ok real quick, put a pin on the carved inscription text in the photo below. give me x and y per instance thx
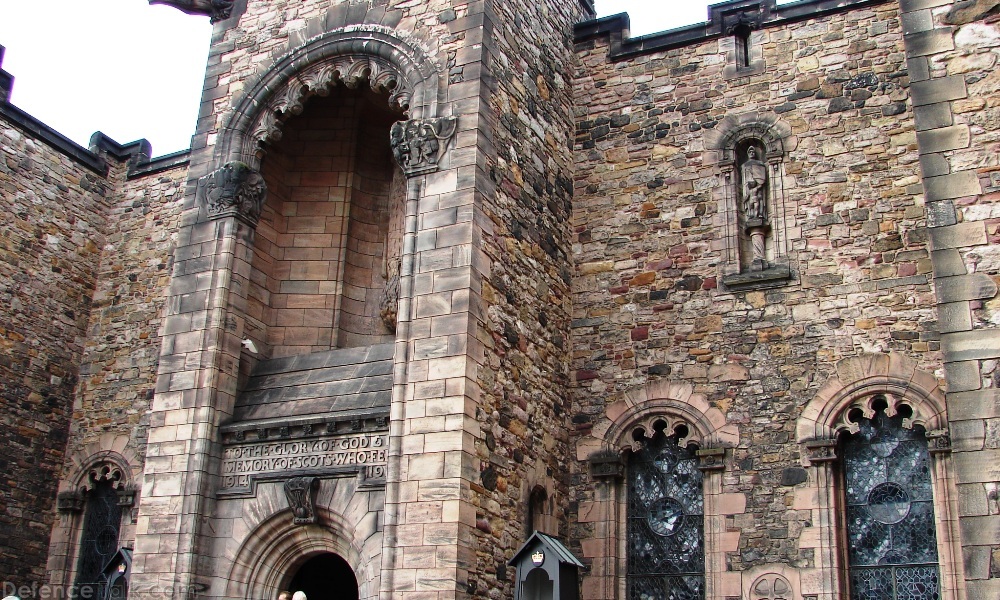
(241, 462)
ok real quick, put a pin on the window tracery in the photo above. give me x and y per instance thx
(665, 527)
(889, 510)
(105, 498)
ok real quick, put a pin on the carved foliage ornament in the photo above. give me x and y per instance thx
(217, 10)
(389, 300)
(301, 494)
(418, 144)
(235, 190)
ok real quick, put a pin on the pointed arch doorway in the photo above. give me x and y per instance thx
(325, 576)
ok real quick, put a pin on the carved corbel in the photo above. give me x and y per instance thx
(235, 190)
(418, 144)
(301, 494)
(938, 441)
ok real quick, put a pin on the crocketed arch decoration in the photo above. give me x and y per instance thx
(277, 547)
(348, 55)
(863, 380)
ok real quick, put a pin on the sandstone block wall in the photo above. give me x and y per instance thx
(121, 348)
(526, 193)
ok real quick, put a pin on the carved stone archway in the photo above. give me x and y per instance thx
(362, 53)
(277, 547)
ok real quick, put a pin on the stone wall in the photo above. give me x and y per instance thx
(53, 234)
(526, 203)
(122, 345)
(652, 252)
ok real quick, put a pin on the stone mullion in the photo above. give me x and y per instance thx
(930, 43)
(184, 415)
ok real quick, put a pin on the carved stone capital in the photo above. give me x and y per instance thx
(938, 441)
(235, 190)
(711, 459)
(606, 465)
(69, 502)
(301, 494)
(821, 451)
(418, 144)
(217, 10)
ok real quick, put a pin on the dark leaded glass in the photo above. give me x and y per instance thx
(99, 541)
(665, 530)
(892, 546)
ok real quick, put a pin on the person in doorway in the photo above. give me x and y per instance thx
(284, 595)
(299, 596)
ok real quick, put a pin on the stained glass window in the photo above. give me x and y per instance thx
(99, 542)
(892, 546)
(666, 524)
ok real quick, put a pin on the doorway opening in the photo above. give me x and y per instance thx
(325, 577)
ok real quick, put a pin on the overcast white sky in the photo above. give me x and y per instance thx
(135, 71)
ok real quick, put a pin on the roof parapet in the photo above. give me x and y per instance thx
(723, 19)
(137, 154)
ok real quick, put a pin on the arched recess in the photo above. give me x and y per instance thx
(627, 425)
(371, 53)
(277, 547)
(109, 459)
(860, 385)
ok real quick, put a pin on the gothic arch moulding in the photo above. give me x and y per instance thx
(352, 55)
(732, 130)
(858, 382)
(277, 547)
(660, 404)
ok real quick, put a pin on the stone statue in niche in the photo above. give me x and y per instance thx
(754, 187)
(754, 175)
(234, 190)
(417, 144)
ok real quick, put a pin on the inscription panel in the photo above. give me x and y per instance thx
(242, 463)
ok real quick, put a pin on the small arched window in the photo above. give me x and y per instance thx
(889, 505)
(665, 530)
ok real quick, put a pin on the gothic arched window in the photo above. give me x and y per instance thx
(891, 541)
(665, 530)
(99, 540)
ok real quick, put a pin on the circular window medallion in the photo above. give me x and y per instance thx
(888, 503)
(666, 517)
